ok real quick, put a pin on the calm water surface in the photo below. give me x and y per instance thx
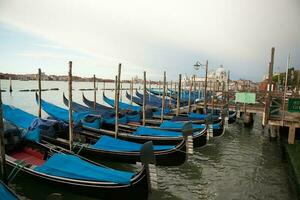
(242, 164)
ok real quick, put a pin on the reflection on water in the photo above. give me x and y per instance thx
(242, 164)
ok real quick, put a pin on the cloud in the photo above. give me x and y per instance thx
(165, 35)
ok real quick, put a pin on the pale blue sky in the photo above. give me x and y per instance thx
(152, 35)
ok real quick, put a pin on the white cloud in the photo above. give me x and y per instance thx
(165, 35)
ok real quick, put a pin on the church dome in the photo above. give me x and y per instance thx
(220, 71)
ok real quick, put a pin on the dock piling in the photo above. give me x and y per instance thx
(10, 85)
(40, 93)
(70, 107)
(178, 96)
(144, 100)
(163, 98)
(94, 79)
(117, 100)
(2, 145)
(205, 88)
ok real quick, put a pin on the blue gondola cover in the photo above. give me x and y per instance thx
(5, 194)
(112, 144)
(143, 130)
(70, 166)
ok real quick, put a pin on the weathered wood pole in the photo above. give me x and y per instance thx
(292, 131)
(268, 99)
(199, 90)
(149, 96)
(10, 85)
(190, 93)
(94, 91)
(163, 98)
(159, 88)
(116, 86)
(2, 145)
(178, 96)
(170, 92)
(104, 86)
(121, 91)
(285, 89)
(205, 88)
(40, 93)
(70, 107)
(144, 100)
(131, 90)
(117, 100)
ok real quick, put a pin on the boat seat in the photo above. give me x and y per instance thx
(30, 156)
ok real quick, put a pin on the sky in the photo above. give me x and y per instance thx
(151, 36)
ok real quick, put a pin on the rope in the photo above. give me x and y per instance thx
(14, 173)
(79, 145)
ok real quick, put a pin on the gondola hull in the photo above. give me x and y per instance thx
(172, 157)
(136, 190)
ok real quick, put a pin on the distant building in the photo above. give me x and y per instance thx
(219, 76)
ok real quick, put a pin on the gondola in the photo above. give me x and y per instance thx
(140, 134)
(139, 101)
(199, 119)
(6, 193)
(192, 117)
(131, 112)
(110, 148)
(54, 166)
(122, 105)
(151, 97)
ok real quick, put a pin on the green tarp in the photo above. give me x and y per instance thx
(245, 97)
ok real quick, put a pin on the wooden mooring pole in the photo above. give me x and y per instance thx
(94, 78)
(178, 96)
(144, 100)
(40, 93)
(10, 85)
(266, 114)
(131, 91)
(205, 88)
(190, 93)
(117, 101)
(70, 107)
(2, 145)
(163, 98)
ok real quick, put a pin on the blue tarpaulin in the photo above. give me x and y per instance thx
(178, 125)
(122, 105)
(70, 166)
(5, 194)
(197, 116)
(142, 130)
(63, 115)
(22, 120)
(18, 117)
(112, 144)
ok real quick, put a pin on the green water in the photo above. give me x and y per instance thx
(242, 164)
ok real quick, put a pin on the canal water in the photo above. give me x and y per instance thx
(241, 164)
